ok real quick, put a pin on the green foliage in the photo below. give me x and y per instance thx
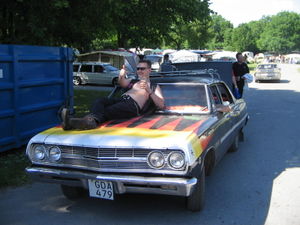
(220, 30)
(91, 24)
(242, 39)
(110, 24)
(13, 164)
(281, 33)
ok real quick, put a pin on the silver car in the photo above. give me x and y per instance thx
(95, 73)
(267, 71)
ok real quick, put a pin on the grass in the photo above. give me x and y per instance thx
(83, 100)
(14, 161)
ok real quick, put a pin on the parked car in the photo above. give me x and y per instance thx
(95, 73)
(156, 60)
(167, 152)
(267, 71)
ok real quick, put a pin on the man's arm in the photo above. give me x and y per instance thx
(157, 97)
(247, 68)
(123, 82)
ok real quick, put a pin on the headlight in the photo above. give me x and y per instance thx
(54, 153)
(156, 159)
(176, 160)
(39, 152)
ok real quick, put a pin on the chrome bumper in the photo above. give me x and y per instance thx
(122, 183)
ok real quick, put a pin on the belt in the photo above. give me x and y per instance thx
(128, 97)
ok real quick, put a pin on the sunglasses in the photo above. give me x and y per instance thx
(141, 68)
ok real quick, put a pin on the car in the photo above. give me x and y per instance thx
(95, 73)
(267, 71)
(167, 152)
(155, 60)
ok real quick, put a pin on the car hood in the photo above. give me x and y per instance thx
(152, 132)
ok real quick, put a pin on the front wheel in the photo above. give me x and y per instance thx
(235, 145)
(76, 81)
(196, 201)
(115, 82)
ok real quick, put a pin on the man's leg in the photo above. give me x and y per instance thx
(99, 107)
(90, 121)
(126, 108)
(240, 85)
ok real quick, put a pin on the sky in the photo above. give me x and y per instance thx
(244, 11)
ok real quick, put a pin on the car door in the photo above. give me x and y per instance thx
(224, 125)
(86, 71)
(235, 114)
(101, 75)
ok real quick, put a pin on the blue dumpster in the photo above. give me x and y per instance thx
(35, 81)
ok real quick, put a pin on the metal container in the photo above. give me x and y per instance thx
(35, 82)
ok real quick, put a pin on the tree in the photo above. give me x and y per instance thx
(219, 29)
(281, 34)
(148, 22)
(56, 22)
(242, 39)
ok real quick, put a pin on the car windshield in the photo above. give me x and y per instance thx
(110, 68)
(184, 98)
(267, 66)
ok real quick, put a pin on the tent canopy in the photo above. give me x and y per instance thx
(184, 56)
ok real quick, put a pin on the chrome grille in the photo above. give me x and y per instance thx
(102, 159)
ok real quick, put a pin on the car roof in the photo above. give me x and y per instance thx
(92, 63)
(185, 77)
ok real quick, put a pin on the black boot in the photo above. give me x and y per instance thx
(86, 123)
(68, 123)
(65, 117)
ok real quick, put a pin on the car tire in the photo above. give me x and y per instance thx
(196, 201)
(235, 145)
(77, 81)
(115, 81)
(72, 193)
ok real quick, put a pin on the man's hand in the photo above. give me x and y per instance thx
(123, 71)
(145, 85)
(123, 82)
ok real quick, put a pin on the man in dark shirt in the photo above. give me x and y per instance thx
(239, 69)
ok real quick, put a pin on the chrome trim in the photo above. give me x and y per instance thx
(110, 160)
(233, 128)
(122, 183)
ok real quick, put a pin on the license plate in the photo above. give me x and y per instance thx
(101, 189)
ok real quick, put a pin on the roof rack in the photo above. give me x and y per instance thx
(213, 73)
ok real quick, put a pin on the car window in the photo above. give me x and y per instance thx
(98, 69)
(75, 68)
(153, 59)
(86, 68)
(225, 94)
(110, 68)
(184, 98)
(215, 95)
(267, 66)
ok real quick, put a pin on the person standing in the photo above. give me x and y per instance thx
(239, 69)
